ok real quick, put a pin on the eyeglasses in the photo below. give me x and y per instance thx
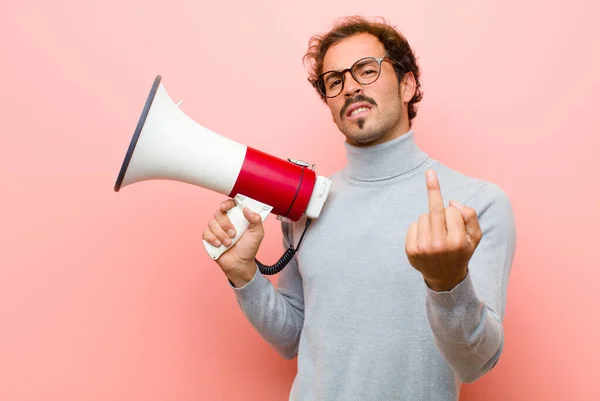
(364, 71)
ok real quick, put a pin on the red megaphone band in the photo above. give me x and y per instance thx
(284, 185)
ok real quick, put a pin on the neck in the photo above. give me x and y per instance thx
(384, 160)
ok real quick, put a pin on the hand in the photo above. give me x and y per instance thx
(441, 244)
(238, 262)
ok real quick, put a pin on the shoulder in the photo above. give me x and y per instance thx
(491, 202)
(292, 230)
(469, 188)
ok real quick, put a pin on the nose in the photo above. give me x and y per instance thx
(351, 87)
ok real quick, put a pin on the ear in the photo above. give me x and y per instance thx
(408, 87)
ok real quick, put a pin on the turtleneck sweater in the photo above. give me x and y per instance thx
(360, 319)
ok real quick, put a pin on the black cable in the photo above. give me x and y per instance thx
(285, 259)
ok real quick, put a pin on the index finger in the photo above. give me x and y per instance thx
(222, 218)
(226, 205)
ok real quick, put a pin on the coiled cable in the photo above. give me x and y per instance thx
(285, 259)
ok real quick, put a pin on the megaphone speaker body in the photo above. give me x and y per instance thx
(167, 144)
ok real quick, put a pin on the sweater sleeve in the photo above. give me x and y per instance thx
(276, 313)
(466, 322)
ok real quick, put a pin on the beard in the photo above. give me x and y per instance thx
(380, 125)
(377, 129)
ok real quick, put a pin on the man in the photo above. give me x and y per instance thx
(393, 295)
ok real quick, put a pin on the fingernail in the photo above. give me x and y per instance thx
(430, 174)
(217, 243)
(227, 241)
(231, 233)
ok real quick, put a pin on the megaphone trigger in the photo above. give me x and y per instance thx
(239, 221)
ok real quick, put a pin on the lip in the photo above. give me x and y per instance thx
(357, 106)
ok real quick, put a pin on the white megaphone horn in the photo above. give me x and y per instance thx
(167, 144)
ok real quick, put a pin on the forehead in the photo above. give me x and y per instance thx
(345, 52)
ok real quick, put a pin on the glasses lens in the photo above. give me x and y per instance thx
(331, 84)
(366, 71)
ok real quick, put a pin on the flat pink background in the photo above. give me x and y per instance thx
(107, 296)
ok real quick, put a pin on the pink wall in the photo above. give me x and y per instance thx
(108, 296)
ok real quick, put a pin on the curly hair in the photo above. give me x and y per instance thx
(395, 44)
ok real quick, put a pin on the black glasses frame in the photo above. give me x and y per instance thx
(319, 84)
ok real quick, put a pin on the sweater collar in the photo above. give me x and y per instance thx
(384, 161)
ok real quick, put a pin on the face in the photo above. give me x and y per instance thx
(368, 114)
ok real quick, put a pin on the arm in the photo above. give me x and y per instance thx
(276, 313)
(466, 321)
(465, 255)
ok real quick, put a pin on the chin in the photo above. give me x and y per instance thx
(363, 135)
(363, 140)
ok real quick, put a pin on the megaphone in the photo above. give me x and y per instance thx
(168, 145)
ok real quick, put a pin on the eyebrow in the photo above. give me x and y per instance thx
(340, 70)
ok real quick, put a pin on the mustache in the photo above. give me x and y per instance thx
(358, 98)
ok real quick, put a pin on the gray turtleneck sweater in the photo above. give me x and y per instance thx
(360, 319)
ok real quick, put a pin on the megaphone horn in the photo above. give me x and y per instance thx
(167, 144)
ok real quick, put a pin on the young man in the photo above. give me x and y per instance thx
(393, 295)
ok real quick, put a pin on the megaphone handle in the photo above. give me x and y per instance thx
(236, 216)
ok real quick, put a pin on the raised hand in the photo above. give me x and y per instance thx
(441, 243)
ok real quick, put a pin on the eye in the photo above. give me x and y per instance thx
(334, 83)
(369, 72)
(366, 69)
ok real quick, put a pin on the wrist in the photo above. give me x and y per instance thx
(447, 285)
(440, 287)
(242, 276)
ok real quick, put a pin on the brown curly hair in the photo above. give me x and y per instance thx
(395, 44)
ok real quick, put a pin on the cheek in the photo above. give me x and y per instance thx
(335, 108)
(390, 91)
(392, 100)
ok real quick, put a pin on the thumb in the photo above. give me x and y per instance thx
(254, 220)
